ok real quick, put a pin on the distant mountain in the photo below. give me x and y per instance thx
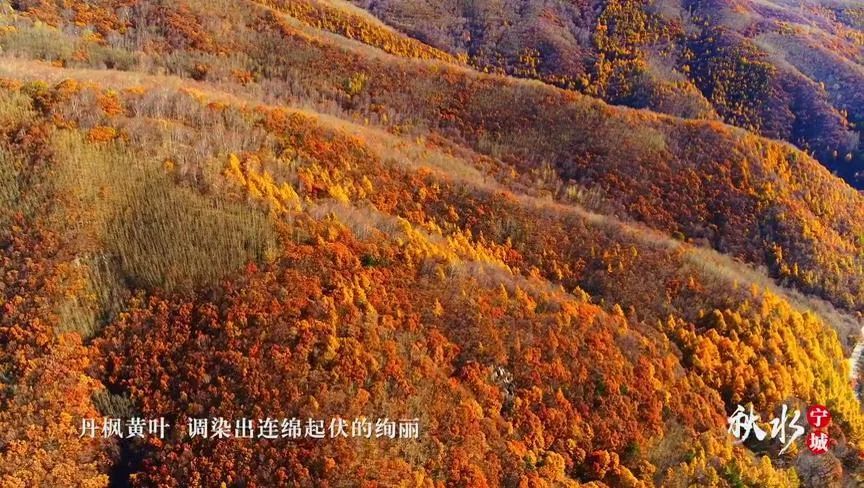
(788, 70)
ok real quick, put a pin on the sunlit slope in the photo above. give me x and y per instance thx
(260, 227)
(743, 195)
(421, 277)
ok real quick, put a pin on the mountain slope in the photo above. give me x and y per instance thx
(789, 215)
(295, 223)
(787, 70)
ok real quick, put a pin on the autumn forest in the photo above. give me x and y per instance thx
(565, 240)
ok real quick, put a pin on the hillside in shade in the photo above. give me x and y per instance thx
(292, 209)
(786, 70)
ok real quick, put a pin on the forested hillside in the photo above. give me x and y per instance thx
(252, 209)
(786, 70)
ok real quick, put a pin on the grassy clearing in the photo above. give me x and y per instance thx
(14, 110)
(172, 238)
(156, 232)
(10, 191)
(99, 299)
